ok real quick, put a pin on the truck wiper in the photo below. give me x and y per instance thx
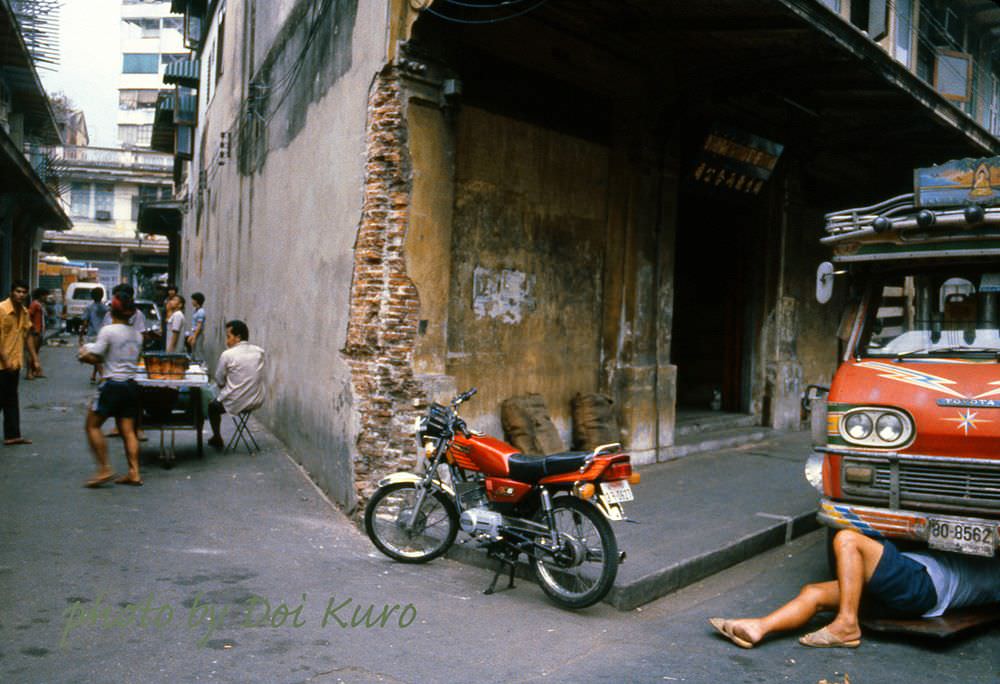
(956, 348)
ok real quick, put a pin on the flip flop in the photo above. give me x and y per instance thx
(823, 638)
(721, 626)
(16, 441)
(99, 480)
(128, 481)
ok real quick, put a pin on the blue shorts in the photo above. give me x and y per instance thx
(900, 586)
(117, 398)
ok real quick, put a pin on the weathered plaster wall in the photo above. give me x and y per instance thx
(274, 245)
(528, 244)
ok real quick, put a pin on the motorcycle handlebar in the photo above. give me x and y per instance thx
(464, 396)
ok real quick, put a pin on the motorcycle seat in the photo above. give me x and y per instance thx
(534, 468)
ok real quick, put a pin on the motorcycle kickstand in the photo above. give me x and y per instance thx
(499, 571)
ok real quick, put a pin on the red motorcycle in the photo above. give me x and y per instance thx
(554, 509)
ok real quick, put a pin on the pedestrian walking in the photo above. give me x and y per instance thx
(117, 349)
(913, 584)
(14, 326)
(36, 312)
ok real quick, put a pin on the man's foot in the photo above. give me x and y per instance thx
(99, 479)
(744, 633)
(15, 441)
(216, 442)
(824, 638)
(126, 480)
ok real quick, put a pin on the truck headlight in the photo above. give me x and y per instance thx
(858, 425)
(878, 427)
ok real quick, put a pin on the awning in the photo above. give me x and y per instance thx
(161, 217)
(184, 72)
(19, 72)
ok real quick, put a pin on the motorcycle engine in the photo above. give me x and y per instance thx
(480, 521)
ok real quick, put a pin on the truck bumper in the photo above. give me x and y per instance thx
(891, 524)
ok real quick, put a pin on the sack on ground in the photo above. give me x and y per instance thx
(594, 421)
(528, 427)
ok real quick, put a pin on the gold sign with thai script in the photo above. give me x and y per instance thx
(736, 160)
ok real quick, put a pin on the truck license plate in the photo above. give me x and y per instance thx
(616, 492)
(954, 535)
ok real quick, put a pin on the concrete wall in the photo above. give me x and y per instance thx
(528, 245)
(273, 245)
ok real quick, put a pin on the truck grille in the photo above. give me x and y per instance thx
(931, 483)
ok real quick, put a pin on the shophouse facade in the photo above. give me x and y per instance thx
(29, 201)
(407, 198)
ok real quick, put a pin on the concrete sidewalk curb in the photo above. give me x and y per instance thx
(690, 570)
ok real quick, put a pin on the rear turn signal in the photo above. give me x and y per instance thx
(584, 491)
(634, 478)
(617, 471)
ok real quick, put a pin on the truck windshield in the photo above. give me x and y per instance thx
(944, 312)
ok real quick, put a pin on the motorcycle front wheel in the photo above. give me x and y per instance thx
(433, 531)
(580, 573)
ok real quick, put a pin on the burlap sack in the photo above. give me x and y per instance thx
(594, 421)
(528, 427)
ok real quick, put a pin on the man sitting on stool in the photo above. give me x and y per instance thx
(240, 377)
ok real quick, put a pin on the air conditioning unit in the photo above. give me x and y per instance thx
(103, 215)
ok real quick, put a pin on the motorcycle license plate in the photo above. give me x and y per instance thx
(965, 537)
(616, 492)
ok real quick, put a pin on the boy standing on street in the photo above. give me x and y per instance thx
(14, 326)
(197, 331)
(175, 324)
(36, 312)
(117, 349)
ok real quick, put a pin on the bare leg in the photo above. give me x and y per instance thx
(126, 426)
(857, 556)
(99, 447)
(812, 599)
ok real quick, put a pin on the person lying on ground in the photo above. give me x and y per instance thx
(889, 583)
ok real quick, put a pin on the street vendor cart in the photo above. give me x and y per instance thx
(173, 391)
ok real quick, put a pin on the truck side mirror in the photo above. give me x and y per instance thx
(824, 282)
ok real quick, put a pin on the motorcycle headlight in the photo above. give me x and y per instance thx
(877, 427)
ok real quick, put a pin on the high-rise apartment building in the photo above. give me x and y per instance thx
(151, 39)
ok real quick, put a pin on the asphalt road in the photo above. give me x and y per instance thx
(116, 585)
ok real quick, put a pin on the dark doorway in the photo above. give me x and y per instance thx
(713, 281)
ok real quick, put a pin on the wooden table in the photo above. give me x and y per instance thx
(195, 380)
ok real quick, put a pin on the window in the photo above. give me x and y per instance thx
(79, 194)
(220, 41)
(953, 74)
(192, 31)
(902, 44)
(104, 201)
(140, 63)
(137, 99)
(173, 24)
(141, 28)
(133, 135)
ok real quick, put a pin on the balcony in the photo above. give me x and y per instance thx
(114, 158)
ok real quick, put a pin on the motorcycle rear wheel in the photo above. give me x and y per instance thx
(434, 529)
(589, 562)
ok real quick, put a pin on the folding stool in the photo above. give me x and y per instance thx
(243, 433)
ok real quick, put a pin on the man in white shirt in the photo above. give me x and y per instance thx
(240, 377)
(175, 324)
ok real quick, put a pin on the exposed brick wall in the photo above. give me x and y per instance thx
(385, 304)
